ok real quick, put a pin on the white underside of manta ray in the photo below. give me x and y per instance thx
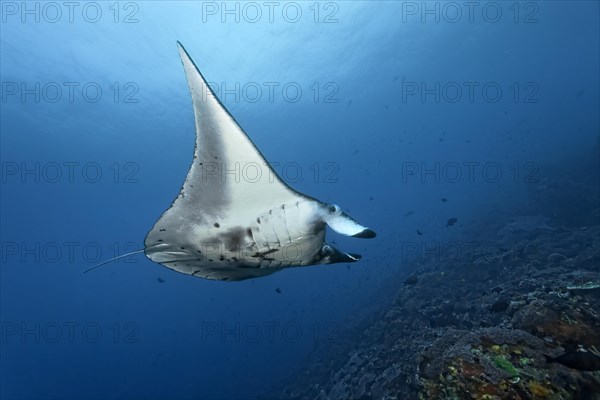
(225, 227)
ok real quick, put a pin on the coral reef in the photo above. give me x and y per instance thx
(482, 327)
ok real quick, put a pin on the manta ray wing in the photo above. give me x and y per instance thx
(234, 218)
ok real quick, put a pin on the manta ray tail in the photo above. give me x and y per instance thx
(113, 259)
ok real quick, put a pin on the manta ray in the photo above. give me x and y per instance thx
(228, 226)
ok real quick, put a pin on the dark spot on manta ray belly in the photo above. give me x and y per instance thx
(217, 225)
(233, 238)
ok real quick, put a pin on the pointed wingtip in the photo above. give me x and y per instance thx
(191, 69)
(182, 51)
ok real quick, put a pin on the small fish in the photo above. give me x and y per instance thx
(278, 290)
(444, 199)
(451, 222)
(419, 232)
(160, 280)
(408, 213)
(581, 360)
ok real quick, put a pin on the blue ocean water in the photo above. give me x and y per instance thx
(383, 108)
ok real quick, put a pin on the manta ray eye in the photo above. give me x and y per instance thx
(334, 209)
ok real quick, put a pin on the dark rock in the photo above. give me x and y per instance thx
(412, 280)
(499, 306)
(479, 328)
